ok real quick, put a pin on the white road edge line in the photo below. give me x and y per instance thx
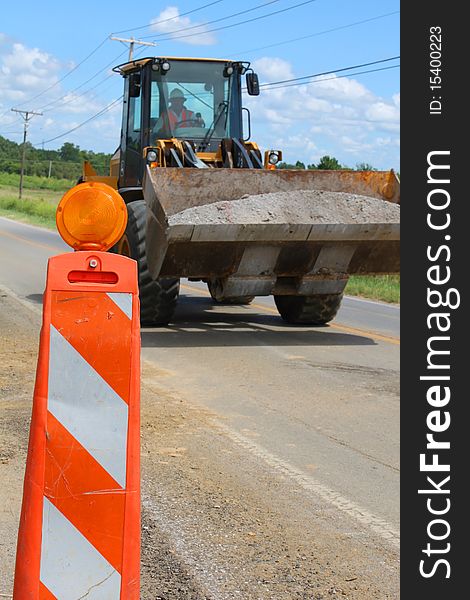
(56, 235)
(307, 482)
(42, 229)
(208, 574)
(26, 303)
(376, 302)
(378, 525)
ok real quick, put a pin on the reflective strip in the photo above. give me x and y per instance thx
(86, 494)
(100, 331)
(44, 593)
(87, 407)
(71, 568)
(124, 301)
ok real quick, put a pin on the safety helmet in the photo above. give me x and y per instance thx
(176, 93)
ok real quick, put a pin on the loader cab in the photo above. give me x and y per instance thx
(192, 100)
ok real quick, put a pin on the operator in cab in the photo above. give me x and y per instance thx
(177, 115)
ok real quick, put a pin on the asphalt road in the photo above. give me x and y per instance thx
(18, 242)
(317, 406)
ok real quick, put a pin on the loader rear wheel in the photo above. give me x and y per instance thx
(308, 310)
(158, 297)
(215, 290)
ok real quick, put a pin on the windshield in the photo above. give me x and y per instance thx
(190, 101)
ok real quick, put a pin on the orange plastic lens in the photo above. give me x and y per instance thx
(91, 216)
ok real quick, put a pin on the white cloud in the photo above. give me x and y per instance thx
(341, 117)
(354, 146)
(337, 88)
(382, 111)
(169, 20)
(25, 71)
(273, 69)
(77, 103)
(335, 116)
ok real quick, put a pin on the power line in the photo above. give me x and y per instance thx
(237, 14)
(325, 31)
(66, 74)
(277, 12)
(98, 114)
(74, 98)
(132, 41)
(333, 78)
(368, 64)
(10, 123)
(89, 90)
(111, 63)
(189, 12)
(278, 84)
(7, 112)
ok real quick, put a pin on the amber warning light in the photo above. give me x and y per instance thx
(91, 216)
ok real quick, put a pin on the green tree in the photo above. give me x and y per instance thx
(66, 162)
(329, 163)
(364, 166)
(70, 153)
(298, 165)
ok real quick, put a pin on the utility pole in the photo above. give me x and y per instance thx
(27, 116)
(131, 43)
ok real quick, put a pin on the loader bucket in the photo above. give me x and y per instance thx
(266, 258)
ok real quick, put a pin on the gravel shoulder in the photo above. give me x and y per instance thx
(216, 522)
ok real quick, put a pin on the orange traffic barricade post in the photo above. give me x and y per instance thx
(79, 533)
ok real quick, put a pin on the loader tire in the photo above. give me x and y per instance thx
(308, 310)
(214, 286)
(158, 297)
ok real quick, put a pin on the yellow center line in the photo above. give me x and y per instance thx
(352, 330)
(27, 241)
(346, 329)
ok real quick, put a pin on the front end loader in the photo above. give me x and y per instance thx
(182, 147)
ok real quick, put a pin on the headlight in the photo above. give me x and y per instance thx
(228, 71)
(151, 156)
(165, 66)
(273, 158)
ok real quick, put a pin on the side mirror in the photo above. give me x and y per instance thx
(134, 85)
(252, 84)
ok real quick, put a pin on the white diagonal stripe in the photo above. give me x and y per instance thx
(124, 301)
(71, 568)
(87, 407)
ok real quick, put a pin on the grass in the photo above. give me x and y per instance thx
(38, 206)
(380, 287)
(38, 212)
(33, 182)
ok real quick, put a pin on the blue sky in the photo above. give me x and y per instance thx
(355, 118)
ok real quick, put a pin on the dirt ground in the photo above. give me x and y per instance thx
(216, 523)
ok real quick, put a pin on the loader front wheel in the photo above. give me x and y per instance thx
(215, 290)
(158, 297)
(308, 310)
